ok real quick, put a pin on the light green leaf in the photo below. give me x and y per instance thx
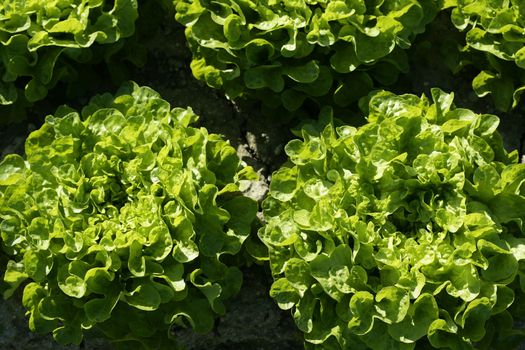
(284, 293)
(421, 314)
(392, 304)
(307, 73)
(144, 297)
(12, 170)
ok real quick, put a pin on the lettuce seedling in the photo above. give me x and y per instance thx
(36, 36)
(121, 219)
(284, 52)
(405, 233)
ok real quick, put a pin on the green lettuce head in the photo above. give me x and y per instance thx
(36, 36)
(125, 220)
(284, 52)
(497, 28)
(407, 233)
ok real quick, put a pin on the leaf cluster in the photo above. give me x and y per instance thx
(495, 28)
(40, 39)
(124, 219)
(405, 233)
(286, 52)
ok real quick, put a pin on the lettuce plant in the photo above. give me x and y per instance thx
(125, 220)
(497, 29)
(36, 36)
(284, 52)
(406, 233)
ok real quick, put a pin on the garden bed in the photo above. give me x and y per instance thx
(253, 321)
